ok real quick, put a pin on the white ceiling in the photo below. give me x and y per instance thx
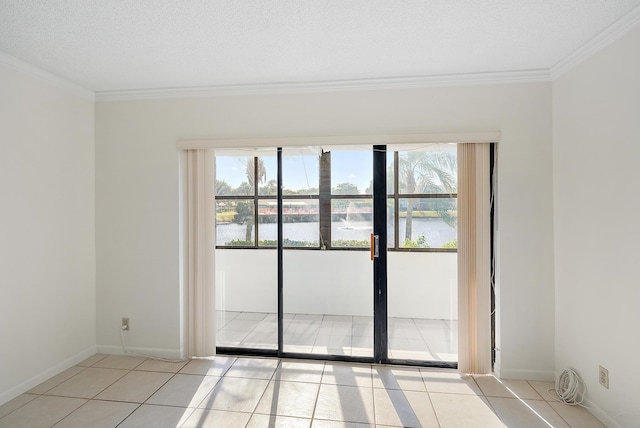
(117, 45)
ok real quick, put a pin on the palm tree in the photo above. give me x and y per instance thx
(222, 188)
(250, 170)
(426, 172)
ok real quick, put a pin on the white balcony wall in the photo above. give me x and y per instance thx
(421, 285)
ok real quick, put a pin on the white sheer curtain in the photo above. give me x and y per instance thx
(198, 248)
(474, 259)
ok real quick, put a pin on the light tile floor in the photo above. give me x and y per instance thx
(122, 391)
(409, 338)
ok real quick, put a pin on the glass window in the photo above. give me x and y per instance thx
(428, 222)
(234, 175)
(421, 215)
(428, 171)
(300, 223)
(351, 222)
(351, 173)
(267, 223)
(300, 174)
(235, 223)
(391, 220)
(268, 184)
(391, 179)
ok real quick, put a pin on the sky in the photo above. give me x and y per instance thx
(302, 171)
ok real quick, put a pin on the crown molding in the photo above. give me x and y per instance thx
(43, 75)
(599, 42)
(603, 39)
(520, 76)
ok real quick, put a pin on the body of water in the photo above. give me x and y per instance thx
(435, 230)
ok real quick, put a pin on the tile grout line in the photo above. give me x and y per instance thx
(253, 412)
(220, 378)
(426, 387)
(552, 408)
(373, 397)
(477, 391)
(420, 337)
(138, 405)
(315, 403)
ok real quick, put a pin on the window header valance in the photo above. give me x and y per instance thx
(333, 140)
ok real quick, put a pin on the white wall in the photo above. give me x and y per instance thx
(47, 244)
(596, 132)
(137, 194)
(421, 285)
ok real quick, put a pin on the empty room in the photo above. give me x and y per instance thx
(319, 213)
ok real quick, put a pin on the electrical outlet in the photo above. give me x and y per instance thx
(125, 323)
(603, 376)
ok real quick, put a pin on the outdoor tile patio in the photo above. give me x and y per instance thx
(409, 338)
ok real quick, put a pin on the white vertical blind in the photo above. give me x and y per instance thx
(198, 252)
(474, 259)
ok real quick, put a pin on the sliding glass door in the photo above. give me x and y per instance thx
(341, 252)
(246, 251)
(422, 263)
(327, 275)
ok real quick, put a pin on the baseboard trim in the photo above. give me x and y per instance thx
(546, 375)
(46, 374)
(600, 414)
(150, 352)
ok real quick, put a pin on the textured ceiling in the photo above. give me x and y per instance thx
(113, 45)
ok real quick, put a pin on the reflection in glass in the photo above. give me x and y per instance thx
(428, 222)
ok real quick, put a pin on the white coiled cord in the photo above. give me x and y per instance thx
(570, 388)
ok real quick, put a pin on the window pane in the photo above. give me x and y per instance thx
(300, 223)
(351, 222)
(428, 223)
(267, 223)
(234, 222)
(351, 172)
(268, 185)
(300, 174)
(428, 171)
(390, 174)
(234, 175)
(391, 236)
